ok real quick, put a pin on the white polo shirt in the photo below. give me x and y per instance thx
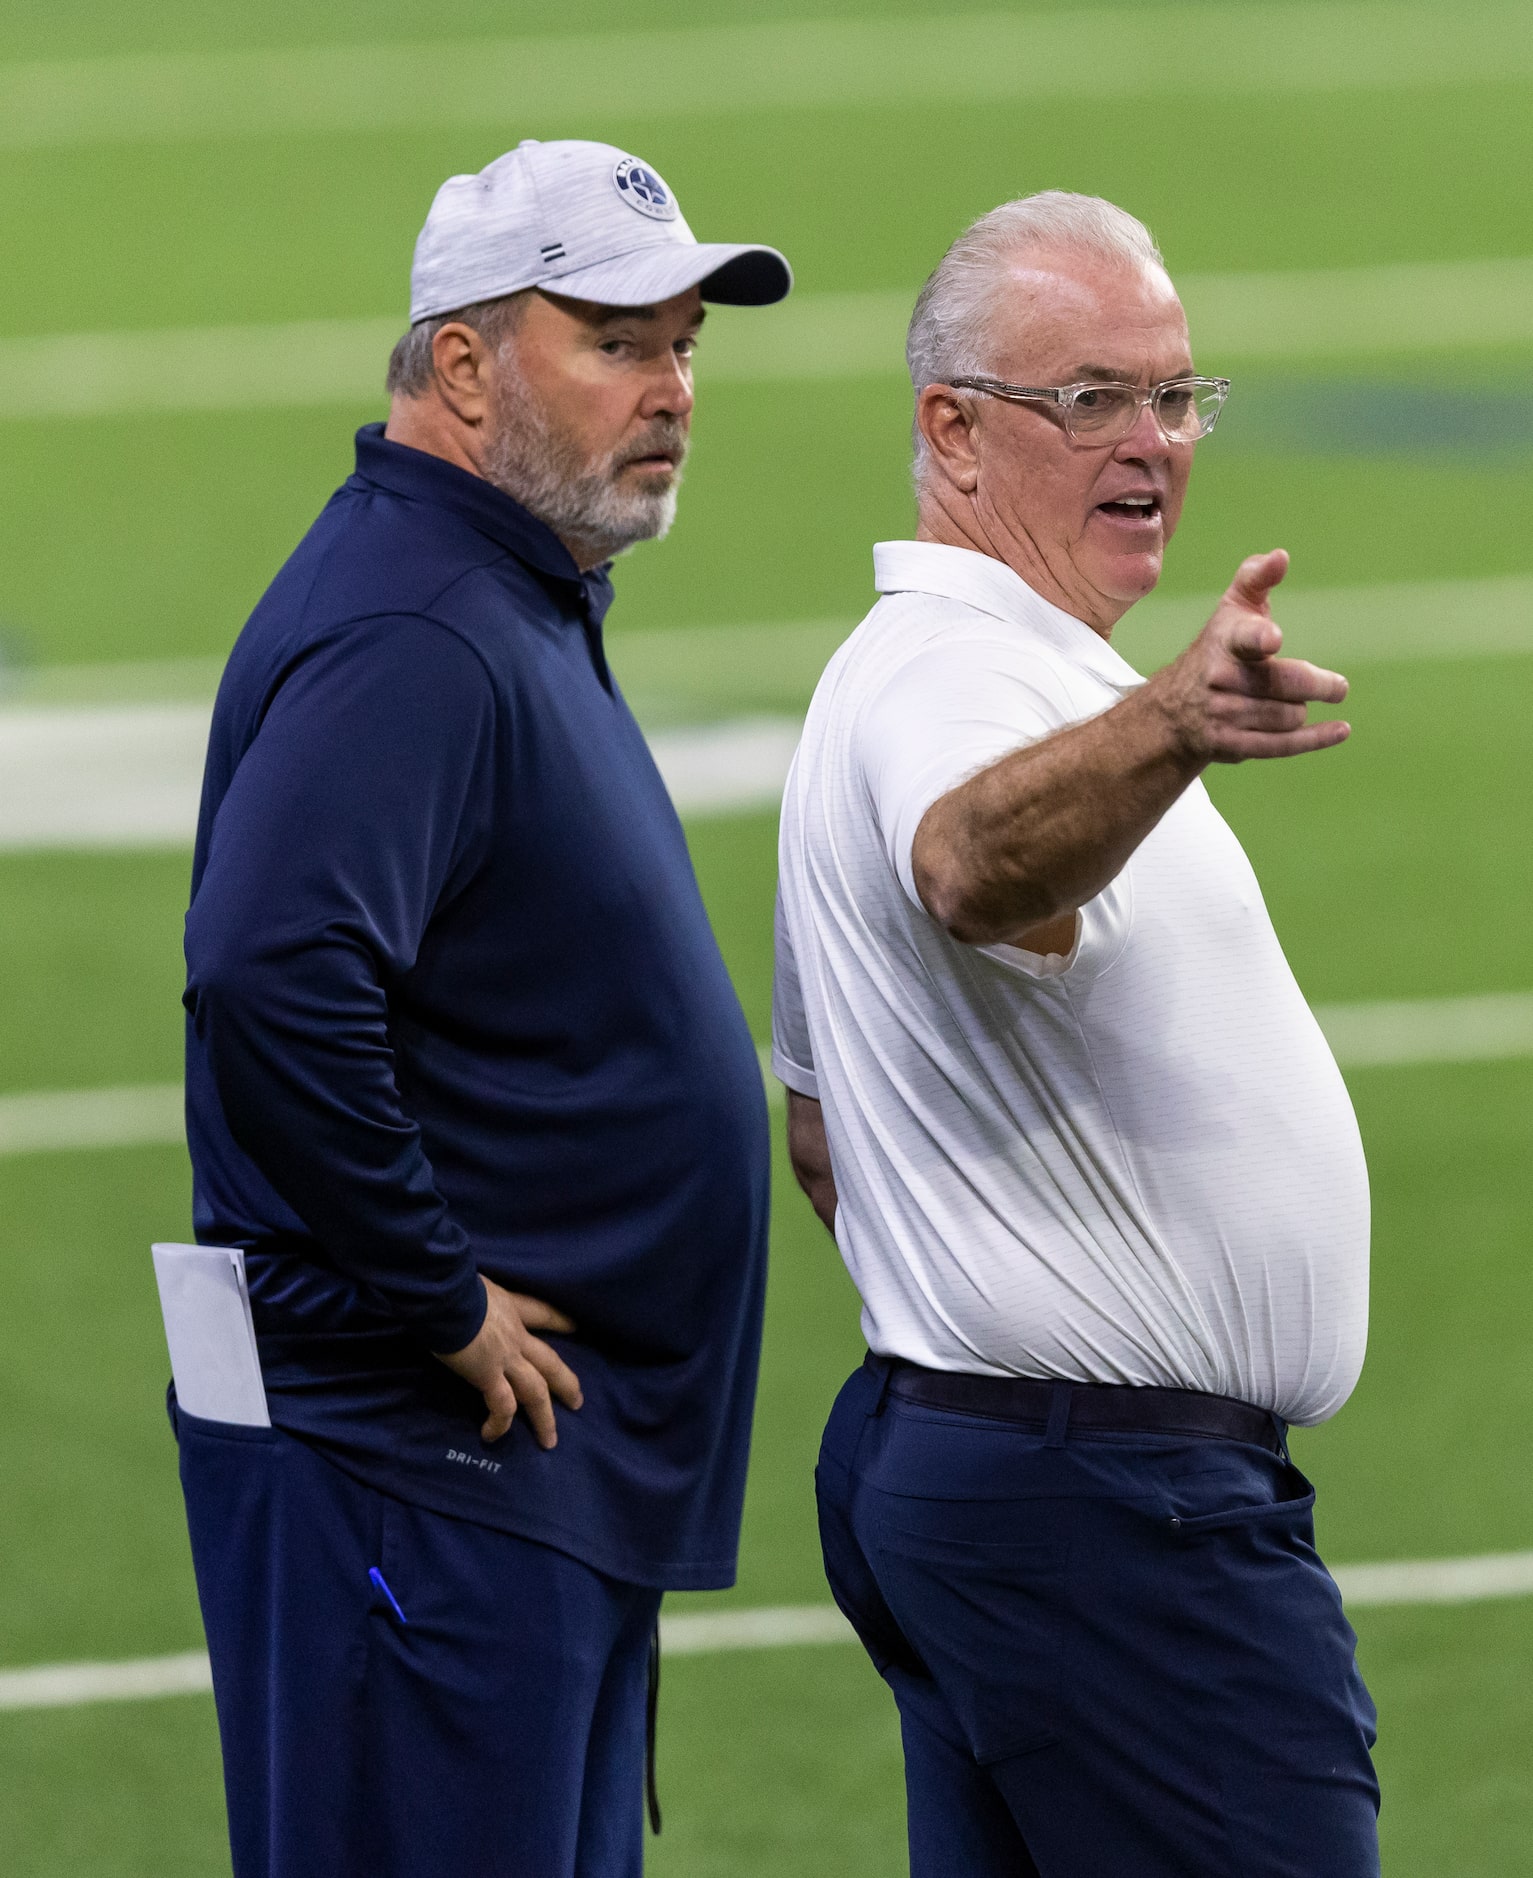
(1137, 1164)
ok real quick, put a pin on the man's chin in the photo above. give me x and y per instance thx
(615, 531)
(1127, 578)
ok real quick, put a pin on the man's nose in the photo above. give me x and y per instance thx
(1146, 439)
(669, 392)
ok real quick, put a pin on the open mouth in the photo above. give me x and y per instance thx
(1132, 508)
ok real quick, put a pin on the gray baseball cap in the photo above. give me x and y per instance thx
(582, 219)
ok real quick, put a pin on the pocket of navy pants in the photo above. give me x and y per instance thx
(498, 1732)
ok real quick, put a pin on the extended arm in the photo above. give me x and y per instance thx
(1020, 847)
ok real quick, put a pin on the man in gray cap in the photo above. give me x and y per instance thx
(467, 1082)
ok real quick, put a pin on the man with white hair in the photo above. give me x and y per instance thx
(468, 1083)
(1080, 1140)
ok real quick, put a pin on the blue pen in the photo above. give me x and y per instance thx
(380, 1584)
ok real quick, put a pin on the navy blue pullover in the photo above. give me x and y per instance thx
(454, 1006)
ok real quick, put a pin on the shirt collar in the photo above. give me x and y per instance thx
(420, 477)
(990, 586)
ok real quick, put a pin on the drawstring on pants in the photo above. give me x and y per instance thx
(651, 1716)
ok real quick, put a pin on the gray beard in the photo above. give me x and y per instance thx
(532, 461)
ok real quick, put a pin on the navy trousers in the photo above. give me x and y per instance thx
(490, 1726)
(1115, 1656)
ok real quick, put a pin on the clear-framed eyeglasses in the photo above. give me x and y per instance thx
(1185, 408)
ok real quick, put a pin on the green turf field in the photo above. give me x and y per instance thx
(1396, 868)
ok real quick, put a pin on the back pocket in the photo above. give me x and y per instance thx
(985, 1613)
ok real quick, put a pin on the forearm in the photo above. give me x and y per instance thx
(1044, 830)
(809, 1151)
(301, 1061)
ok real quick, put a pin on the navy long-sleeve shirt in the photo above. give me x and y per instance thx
(455, 1007)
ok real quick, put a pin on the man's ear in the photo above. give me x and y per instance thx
(947, 422)
(462, 362)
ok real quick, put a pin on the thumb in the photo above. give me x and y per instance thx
(537, 1315)
(1255, 578)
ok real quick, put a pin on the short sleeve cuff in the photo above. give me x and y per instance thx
(794, 1076)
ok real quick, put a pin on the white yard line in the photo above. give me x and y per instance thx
(1437, 1581)
(1389, 1033)
(705, 1633)
(1383, 1035)
(1397, 1033)
(1346, 312)
(1395, 622)
(713, 769)
(101, 776)
(697, 673)
(134, 1115)
(1360, 312)
(771, 1627)
(69, 1685)
(80, 771)
(199, 368)
(541, 82)
(126, 776)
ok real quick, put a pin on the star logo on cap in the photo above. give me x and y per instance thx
(643, 190)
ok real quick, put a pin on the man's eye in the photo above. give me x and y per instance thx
(686, 347)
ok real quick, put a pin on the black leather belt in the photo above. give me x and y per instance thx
(1119, 1407)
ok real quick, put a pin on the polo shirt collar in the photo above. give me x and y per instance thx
(990, 586)
(420, 477)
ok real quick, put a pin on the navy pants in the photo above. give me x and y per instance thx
(1115, 1656)
(498, 1731)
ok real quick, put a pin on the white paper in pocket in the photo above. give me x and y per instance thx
(206, 1307)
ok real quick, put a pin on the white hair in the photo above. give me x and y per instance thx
(950, 329)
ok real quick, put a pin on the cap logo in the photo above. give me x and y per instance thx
(643, 190)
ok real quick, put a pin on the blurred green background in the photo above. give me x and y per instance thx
(1395, 868)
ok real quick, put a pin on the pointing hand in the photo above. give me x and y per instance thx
(1231, 697)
